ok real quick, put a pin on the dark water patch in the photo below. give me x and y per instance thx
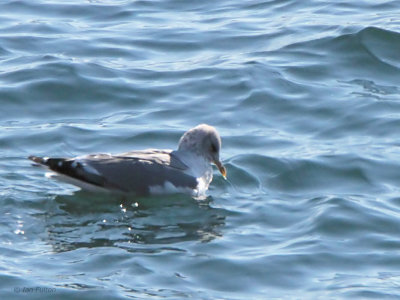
(375, 90)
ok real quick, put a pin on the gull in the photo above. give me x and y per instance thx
(145, 172)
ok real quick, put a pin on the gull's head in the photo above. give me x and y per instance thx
(203, 140)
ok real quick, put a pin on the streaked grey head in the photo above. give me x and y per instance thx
(203, 140)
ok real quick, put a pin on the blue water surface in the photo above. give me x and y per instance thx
(306, 97)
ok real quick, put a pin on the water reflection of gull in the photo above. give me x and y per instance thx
(155, 225)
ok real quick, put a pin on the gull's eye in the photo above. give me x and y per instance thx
(213, 148)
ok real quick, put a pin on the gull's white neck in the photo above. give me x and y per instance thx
(198, 165)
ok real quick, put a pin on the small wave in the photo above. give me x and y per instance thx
(339, 174)
(366, 53)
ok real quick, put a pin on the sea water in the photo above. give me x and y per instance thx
(306, 97)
